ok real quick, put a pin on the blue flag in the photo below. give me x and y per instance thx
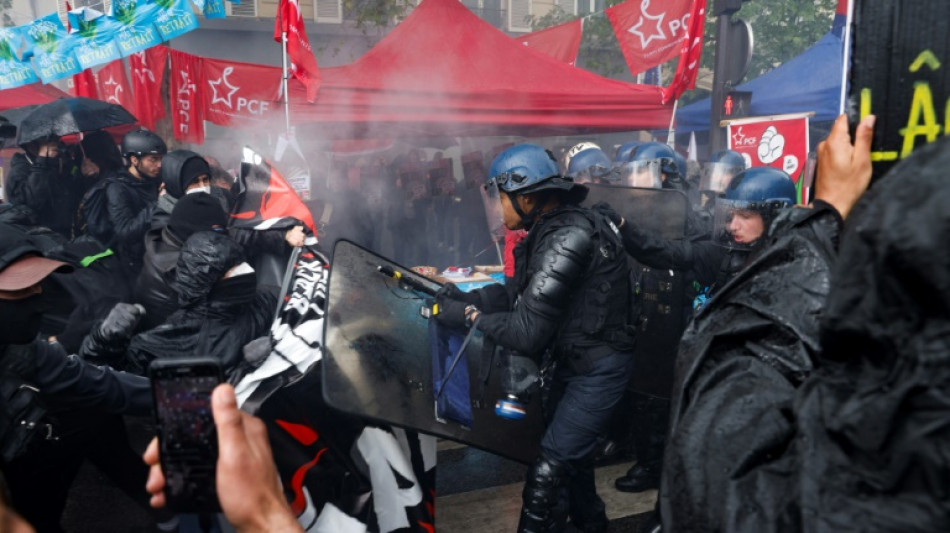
(53, 48)
(175, 17)
(14, 71)
(94, 34)
(136, 30)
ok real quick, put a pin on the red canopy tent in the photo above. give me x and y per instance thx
(445, 72)
(33, 94)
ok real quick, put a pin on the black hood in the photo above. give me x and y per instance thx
(892, 279)
(205, 257)
(172, 164)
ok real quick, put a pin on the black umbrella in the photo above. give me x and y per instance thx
(71, 115)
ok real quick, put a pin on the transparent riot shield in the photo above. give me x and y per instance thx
(660, 300)
(378, 359)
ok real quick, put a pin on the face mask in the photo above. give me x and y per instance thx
(21, 319)
(206, 190)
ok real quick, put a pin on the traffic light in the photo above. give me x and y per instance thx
(727, 7)
(736, 104)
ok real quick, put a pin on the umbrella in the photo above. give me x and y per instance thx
(71, 115)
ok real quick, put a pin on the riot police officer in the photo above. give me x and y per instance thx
(567, 306)
(590, 165)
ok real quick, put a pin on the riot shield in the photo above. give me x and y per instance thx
(378, 360)
(661, 305)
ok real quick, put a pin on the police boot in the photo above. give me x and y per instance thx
(650, 441)
(542, 510)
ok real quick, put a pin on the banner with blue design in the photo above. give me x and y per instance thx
(14, 69)
(136, 30)
(174, 18)
(53, 48)
(94, 34)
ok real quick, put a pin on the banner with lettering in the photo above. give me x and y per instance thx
(147, 69)
(649, 32)
(240, 94)
(14, 70)
(899, 73)
(175, 17)
(136, 31)
(53, 48)
(94, 34)
(113, 85)
(780, 142)
(186, 97)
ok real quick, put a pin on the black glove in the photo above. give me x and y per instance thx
(119, 326)
(451, 292)
(451, 312)
(605, 209)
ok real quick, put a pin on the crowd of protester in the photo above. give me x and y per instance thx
(755, 415)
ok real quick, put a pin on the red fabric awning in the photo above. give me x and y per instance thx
(445, 72)
(33, 94)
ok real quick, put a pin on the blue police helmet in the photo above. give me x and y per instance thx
(625, 151)
(762, 187)
(592, 163)
(527, 168)
(680, 163)
(654, 150)
(729, 157)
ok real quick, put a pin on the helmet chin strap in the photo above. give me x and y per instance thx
(527, 219)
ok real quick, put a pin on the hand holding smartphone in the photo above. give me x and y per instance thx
(188, 441)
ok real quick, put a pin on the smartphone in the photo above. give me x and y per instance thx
(188, 442)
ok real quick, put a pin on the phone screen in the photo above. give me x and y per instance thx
(188, 442)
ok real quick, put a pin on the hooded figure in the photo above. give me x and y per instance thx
(776, 431)
(182, 171)
(155, 286)
(220, 309)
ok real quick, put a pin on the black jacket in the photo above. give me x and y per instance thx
(51, 195)
(569, 292)
(154, 288)
(128, 210)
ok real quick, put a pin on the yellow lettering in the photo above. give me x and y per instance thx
(922, 106)
(865, 106)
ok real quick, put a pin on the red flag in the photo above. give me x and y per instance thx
(186, 96)
(113, 84)
(84, 84)
(265, 199)
(239, 94)
(303, 64)
(147, 69)
(690, 54)
(649, 34)
(561, 42)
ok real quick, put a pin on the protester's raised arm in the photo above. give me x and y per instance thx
(844, 169)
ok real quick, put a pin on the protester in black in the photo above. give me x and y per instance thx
(45, 179)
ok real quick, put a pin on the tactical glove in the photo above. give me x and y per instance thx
(451, 292)
(450, 312)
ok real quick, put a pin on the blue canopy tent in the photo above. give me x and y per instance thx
(810, 81)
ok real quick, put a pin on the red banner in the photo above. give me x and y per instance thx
(561, 42)
(239, 94)
(303, 64)
(84, 84)
(780, 142)
(650, 32)
(114, 85)
(147, 70)
(690, 54)
(186, 97)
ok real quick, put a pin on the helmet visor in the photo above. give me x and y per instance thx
(593, 174)
(716, 176)
(644, 174)
(494, 212)
(737, 224)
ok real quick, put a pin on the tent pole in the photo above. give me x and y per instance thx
(283, 48)
(846, 57)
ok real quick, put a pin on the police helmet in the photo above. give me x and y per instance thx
(720, 170)
(142, 142)
(659, 151)
(589, 165)
(625, 151)
(762, 191)
(730, 157)
(576, 149)
(527, 168)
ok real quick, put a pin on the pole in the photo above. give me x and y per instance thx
(285, 76)
(716, 133)
(846, 58)
(671, 137)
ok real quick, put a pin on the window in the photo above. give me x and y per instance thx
(518, 13)
(330, 11)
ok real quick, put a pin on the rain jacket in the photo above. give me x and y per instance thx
(799, 413)
(121, 225)
(172, 163)
(154, 288)
(217, 316)
(52, 196)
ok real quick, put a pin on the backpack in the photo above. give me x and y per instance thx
(93, 213)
